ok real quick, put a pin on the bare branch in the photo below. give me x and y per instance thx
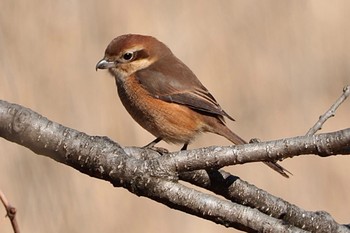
(324, 145)
(10, 211)
(239, 191)
(99, 157)
(215, 209)
(156, 178)
(330, 112)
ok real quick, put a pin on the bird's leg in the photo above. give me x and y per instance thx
(185, 146)
(152, 144)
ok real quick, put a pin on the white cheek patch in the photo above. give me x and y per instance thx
(132, 67)
(123, 70)
(142, 63)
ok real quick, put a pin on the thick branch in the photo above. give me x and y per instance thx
(239, 191)
(99, 157)
(326, 144)
(234, 189)
(102, 158)
(217, 210)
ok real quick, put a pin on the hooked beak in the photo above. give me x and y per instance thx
(104, 64)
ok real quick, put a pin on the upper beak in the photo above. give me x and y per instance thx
(104, 64)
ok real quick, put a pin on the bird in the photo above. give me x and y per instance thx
(163, 95)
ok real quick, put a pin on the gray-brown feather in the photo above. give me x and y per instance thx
(172, 81)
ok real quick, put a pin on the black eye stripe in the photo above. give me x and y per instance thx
(142, 54)
(131, 56)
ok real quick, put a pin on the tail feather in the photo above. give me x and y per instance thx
(278, 168)
(223, 130)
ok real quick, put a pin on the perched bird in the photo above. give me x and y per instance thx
(163, 95)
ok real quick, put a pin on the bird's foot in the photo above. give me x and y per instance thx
(159, 150)
(152, 144)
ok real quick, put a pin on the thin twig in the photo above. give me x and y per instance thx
(11, 212)
(330, 113)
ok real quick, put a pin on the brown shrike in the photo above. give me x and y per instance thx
(163, 95)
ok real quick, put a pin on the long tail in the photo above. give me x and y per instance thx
(223, 130)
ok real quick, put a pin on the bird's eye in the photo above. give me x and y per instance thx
(128, 56)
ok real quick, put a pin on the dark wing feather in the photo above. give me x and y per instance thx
(159, 80)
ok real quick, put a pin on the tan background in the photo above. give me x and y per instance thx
(275, 66)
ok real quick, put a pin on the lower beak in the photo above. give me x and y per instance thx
(103, 64)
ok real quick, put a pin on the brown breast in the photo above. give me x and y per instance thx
(172, 122)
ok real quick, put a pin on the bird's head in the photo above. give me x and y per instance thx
(129, 53)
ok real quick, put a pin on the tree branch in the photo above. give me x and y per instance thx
(324, 145)
(156, 177)
(330, 112)
(10, 211)
(239, 191)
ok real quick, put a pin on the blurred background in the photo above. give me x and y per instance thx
(275, 66)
